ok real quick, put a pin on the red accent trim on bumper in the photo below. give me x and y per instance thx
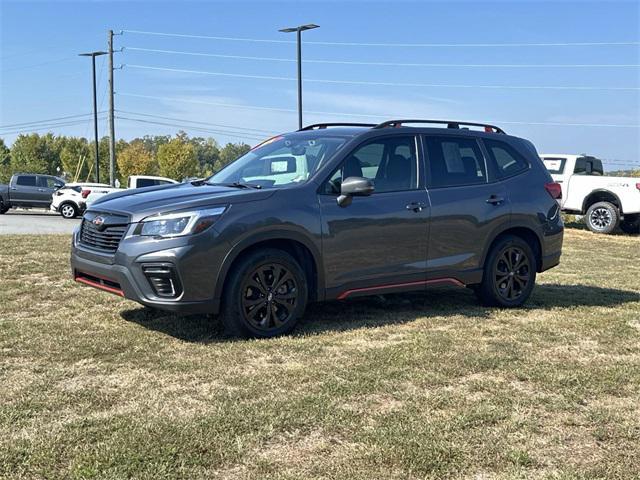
(78, 278)
(435, 281)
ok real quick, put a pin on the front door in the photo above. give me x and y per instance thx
(465, 208)
(378, 242)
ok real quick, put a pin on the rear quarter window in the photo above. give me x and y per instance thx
(506, 159)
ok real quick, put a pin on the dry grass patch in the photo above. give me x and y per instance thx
(404, 386)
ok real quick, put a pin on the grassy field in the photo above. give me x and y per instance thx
(407, 386)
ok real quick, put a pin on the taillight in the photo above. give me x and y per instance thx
(85, 193)
(638, 186)
(554, 189)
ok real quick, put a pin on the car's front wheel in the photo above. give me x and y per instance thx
(509, 273)
(265, 296)
(602, 217)
(68, 210)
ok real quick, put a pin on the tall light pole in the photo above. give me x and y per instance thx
(299, 31)
(93, 56)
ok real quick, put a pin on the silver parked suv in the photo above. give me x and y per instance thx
(331, 211)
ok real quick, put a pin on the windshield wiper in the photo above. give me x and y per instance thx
(238, 185)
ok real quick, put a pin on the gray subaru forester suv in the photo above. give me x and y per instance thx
(332, 211)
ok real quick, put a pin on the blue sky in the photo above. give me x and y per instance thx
(42, 78)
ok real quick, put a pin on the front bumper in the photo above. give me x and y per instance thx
(192, 258)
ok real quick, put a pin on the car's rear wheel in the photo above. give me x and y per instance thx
(630, 224)
(68, 210)
(509, 273)
(265, 296)
(3, 209)
(602, 217)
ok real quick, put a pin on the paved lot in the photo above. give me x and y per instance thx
(34, 222)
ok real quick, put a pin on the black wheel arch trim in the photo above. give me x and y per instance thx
(504, 228)
(276, 234)
(601, 190)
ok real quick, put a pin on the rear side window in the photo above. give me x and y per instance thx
(554, 165)
(506, 159)
(26, 180)
(454, 161)
(146, 182)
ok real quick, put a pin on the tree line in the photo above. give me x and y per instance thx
(176, 157)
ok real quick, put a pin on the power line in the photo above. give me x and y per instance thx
(46, 121)
(386, 84)
(219, 132)
(45, 127)
(258, 130)
(38, 64)
(378, 44)
(385, 64)
(362, 115)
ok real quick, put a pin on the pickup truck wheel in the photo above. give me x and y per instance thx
(630, 224)
(68, 210)
(265, 296)
(602, 217)
(509, 273)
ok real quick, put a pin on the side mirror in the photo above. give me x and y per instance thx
(354, 187)
(57, 186)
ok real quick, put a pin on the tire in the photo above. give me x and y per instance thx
(631, 224)
(68, 210)
(3, 209)
(509, 273)
(264, 296)
(602, 217)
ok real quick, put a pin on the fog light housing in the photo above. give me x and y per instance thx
(163, 279)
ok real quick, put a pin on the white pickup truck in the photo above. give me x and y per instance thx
(606, 202)
(135, 181)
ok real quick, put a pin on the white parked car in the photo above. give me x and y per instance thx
(135, 181)
(605, 201)
(70, 200)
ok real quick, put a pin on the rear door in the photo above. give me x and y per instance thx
(379, 242)
(46, 188)
(465, 207)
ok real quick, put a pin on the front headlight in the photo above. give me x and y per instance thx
(179, 223)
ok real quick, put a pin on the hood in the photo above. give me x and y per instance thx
(142, 202)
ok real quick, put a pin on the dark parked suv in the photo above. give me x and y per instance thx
(332, 211)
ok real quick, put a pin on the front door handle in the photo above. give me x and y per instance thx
(416, 206)
(495, 200)
(41, 189)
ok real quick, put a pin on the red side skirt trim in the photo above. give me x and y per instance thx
(435, 281)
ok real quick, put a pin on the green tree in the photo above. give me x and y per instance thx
(207, 153)
(135, 159)
(34, 153)
(177, 159)
(77, 159)
(231, 152)
(5, 162)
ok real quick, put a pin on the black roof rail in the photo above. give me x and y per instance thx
(337, 124)
(448, 123)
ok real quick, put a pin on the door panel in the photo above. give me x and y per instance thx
(45, 191)
(462, 223)
(24, 192)
(375, 240)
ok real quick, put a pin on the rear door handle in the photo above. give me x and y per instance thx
(495, 200)
(416, 206)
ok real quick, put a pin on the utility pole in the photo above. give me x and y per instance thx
(299, 31)
(93, 56)
(112, 131)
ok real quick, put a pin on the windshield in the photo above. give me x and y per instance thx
(280, 161)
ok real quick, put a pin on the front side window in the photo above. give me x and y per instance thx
(280, 161)
(26, 180)
(454, 161)
(390, 163)
(48, 182)
(505, 158)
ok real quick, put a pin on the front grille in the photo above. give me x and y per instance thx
(105, 237)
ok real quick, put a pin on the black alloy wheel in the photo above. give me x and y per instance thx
(269, 296)
(512, 273)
